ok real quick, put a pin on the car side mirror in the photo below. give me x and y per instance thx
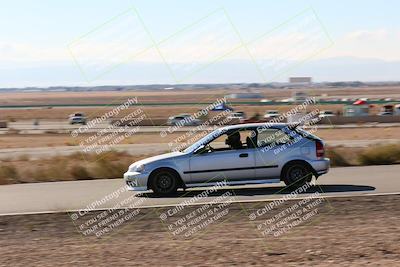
(199, 150)
(203, 149)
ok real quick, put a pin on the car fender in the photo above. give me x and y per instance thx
(179, 165)
(296, 158)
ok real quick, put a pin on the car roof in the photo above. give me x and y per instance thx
(252, 125)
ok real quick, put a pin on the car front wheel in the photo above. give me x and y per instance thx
(164, 182)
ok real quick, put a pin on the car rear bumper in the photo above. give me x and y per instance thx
(136, 181)
(320, 166)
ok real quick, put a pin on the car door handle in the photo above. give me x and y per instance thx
(243, 155)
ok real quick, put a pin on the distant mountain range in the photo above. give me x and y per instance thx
(226, 71)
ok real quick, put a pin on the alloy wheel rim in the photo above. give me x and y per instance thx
(296, 173)
(164, 182)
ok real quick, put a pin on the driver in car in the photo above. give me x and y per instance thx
(233, 141)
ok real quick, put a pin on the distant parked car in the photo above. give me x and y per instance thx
(78, 118)
(286, 100)
(271, 114)
(387, 110)
(326, 113)
(183, 120)
(238, 154)
(240, 115)
(396, 110)
(385, 113)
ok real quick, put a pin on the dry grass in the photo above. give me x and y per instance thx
(79, 172)
(374, 155)
(381, 155)
(337, 158)
(343, 156)
(77, 166)
(8, 174)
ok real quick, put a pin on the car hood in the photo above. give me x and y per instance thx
(157, 158)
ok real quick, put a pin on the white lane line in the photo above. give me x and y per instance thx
(197, 204)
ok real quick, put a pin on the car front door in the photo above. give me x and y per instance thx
(221, 163)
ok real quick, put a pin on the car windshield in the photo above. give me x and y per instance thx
(206, 139)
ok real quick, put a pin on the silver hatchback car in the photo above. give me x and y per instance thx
(239, 154)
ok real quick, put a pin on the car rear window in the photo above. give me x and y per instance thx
(272, 136)
(306, 134)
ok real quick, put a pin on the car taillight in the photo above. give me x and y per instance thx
(320, 150)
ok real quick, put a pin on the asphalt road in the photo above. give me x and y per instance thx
(104, 194)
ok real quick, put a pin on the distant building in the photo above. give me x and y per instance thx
(300, 80)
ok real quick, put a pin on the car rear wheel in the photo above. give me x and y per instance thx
(297, 174)
(164, 182)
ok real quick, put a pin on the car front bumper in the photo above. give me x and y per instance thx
(136, 181)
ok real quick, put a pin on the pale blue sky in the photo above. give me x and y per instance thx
(37, 33)
(57, 22)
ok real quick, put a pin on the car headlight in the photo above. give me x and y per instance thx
(139, 168)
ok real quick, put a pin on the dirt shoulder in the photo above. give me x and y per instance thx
(355, 231)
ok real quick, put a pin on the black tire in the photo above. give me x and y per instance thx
(296, 174)
(164, 182)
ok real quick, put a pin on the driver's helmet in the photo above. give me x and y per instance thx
(233, 140)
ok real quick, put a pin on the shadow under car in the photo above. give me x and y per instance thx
(279, 190)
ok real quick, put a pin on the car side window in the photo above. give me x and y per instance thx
(249, 138)
(234, 140)
(219, 144)
(272, 137)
